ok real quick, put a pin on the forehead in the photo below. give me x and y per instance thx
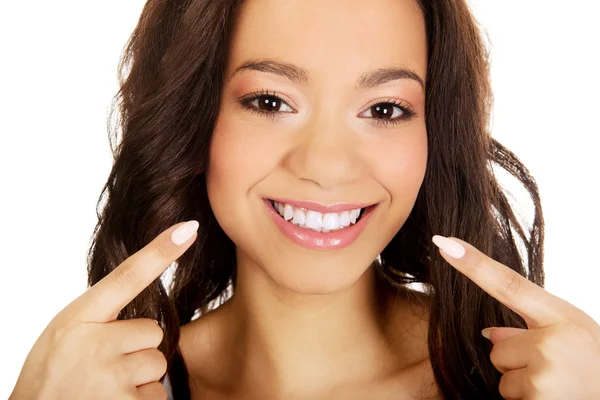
(331, 39)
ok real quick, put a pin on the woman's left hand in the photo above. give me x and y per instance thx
(557, 357)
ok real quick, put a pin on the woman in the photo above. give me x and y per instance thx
(320, 145)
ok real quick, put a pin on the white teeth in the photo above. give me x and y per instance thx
(299, 217)
(331, 221)
(315, 220)
(288, 211)
(345, 219)
(353, 216)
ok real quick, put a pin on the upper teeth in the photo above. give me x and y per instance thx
(315, 220)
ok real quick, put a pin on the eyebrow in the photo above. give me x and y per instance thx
(300, 76)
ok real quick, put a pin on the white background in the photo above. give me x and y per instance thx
(58, 75)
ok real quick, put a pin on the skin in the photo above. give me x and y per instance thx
(307, 324)
(86, 353)
(299, 315)
(557, 356)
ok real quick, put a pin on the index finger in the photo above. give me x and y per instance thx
(538, 307)
(103, 301)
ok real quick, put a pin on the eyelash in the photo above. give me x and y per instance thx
(407, 112)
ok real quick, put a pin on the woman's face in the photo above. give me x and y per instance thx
(332, 74)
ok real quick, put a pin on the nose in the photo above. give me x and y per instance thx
(325, 153)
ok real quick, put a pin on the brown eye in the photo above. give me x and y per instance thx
(383, 110)
(269, 103)
(390, 112)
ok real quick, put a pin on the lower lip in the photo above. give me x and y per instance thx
(320, 240)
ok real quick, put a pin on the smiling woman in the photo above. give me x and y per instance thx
(320, 145)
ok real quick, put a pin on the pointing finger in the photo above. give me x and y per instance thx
(104, 301)
(537, 306)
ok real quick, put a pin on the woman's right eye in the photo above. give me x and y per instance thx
(267, 105)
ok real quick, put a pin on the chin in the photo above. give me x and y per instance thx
(271, 259)
(316, 274)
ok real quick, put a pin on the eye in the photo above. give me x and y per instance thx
(267, 105)
(391, 112)
(384, 113)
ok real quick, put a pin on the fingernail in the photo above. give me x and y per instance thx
(449, 246)
(184, 232)
(156, 322)
(486, 333)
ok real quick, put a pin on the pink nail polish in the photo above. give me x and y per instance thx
(184, 232)
(486, 333)
(449, 246)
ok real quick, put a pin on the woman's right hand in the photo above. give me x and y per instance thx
(86, 353)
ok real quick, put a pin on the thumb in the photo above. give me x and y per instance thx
(497, 334)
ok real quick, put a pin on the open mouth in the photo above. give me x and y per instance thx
(317, 221)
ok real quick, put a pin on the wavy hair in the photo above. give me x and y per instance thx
(171, 75)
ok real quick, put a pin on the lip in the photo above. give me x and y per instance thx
(323, 209)
(321, 240)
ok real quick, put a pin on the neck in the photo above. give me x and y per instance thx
(300, 341)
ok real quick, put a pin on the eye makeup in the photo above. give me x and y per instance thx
(265, 97)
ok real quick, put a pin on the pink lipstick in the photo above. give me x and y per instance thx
(312, 239)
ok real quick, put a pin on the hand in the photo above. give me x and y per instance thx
(86, 353)
(557, 357)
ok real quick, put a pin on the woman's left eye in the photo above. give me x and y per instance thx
(387, 114)
(268, 105)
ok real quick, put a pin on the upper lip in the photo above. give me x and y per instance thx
(322, 208)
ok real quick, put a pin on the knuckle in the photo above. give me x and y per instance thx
(578, 334)
(504, 386)
(160, 334)
(158, 392)
(158, 361)
(498, 358)
(477, 262)
(539, 383)
(68, 332)
(511, 285)
(544, 346)
(495, 355)
(163, 248)
(86, 337)
(125, 277)
(155, 331)
(570, 327)
(539, 348)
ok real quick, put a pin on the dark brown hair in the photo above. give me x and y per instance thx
(171, 76)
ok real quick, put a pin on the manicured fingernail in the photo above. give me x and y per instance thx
(486, 333)
(449, 246)
(184, 232)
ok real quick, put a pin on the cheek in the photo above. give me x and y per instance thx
(228, 156)
(400, 166)
(238, 159)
